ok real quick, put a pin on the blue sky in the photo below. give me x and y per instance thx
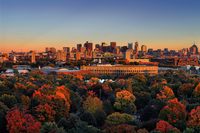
(35, 24)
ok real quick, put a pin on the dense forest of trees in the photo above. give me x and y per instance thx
(164, 103)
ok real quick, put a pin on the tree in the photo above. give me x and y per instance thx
(118, 118)
(165, 127)
(122, 128)
(197, 91)
(45, 113)
(18, 122)
(25, 100)
(194, 117)
(92, 104)
(185, 89)
(74, 125)
(8, 100)
(166, 93)
(3, 111)
(51, 127)
(125, 102)
(174, 113)
(76, 101)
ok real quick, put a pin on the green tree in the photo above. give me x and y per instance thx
(8, 100)
(118, 118)
(92, 104)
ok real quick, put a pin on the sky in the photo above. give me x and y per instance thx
(36, 24)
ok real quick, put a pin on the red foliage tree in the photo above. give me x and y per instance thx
(45, 113)
(19, 122)
(194, 118)
(173, 112)
(164, 127)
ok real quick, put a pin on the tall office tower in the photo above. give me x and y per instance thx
(112, 46)
(67, 51)
(144, 48)
(61, 55)
(130, 45)
(129, 54)
(136, 47)
(33, 57)
(89, 48)
(183, 52)
(117, 50)
(79, 46)
(194, 49)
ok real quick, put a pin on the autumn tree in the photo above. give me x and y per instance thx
(197, 91)
(45, 113)
(92, 104)
(19, 122)
(165, 127)
(186, 89)
(174, 113)
(122, 128)
(166, 93)
(125, 102)
(55, 99)
(194, 117)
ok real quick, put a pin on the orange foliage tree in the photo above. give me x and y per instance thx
(125, 101)
(197, 91)
(166, 93)
(55, 99)
(18, 122)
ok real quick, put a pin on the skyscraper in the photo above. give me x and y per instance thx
(113, 45)
(130, 45)
(79, 47)
(88, 46)
(194, 49)
(144, 48)
(33, 57)
(136, 47)
(61, 55)
(67, 51)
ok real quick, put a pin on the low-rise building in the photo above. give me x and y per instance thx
(121, 69)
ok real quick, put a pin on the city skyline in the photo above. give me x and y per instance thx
(75, 46)
(34, 25)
